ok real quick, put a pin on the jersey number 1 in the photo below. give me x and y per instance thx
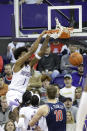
(59, 115)
(24, 81)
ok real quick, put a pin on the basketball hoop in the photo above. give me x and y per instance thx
(60, 31)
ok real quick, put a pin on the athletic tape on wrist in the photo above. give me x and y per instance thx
(37, 56)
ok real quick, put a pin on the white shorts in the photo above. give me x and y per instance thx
(14, 96)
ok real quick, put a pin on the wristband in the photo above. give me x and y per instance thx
(37, 56)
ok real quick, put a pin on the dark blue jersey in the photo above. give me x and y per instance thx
(56, 118)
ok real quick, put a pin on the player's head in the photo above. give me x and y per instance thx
(58, 89)
(26, 99)
(36, 91)
(51, 92)
(19, 52)
(35, 100)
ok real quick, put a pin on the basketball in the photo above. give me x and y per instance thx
(76, 59)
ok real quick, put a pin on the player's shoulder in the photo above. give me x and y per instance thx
(25, 110)
(43, 109)
(43, 106)
(61, 103)
(22, 111)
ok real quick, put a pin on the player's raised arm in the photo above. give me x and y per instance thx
(23, 55)
(36, 43)
(41, 52)
(82, 111)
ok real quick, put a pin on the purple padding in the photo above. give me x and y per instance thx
(5, 20)
(84, 10)
(37, 15)
(34, 16)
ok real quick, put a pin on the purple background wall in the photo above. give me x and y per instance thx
(34, 16)
(5, 19)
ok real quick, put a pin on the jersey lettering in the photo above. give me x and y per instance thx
(59, 115)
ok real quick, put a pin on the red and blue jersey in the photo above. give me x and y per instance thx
(56, 118)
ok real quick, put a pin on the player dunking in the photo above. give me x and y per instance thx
(53, 111)
(82, 111)
(22, 70)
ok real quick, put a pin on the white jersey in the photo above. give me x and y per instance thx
(20, 79)
(29, 112)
